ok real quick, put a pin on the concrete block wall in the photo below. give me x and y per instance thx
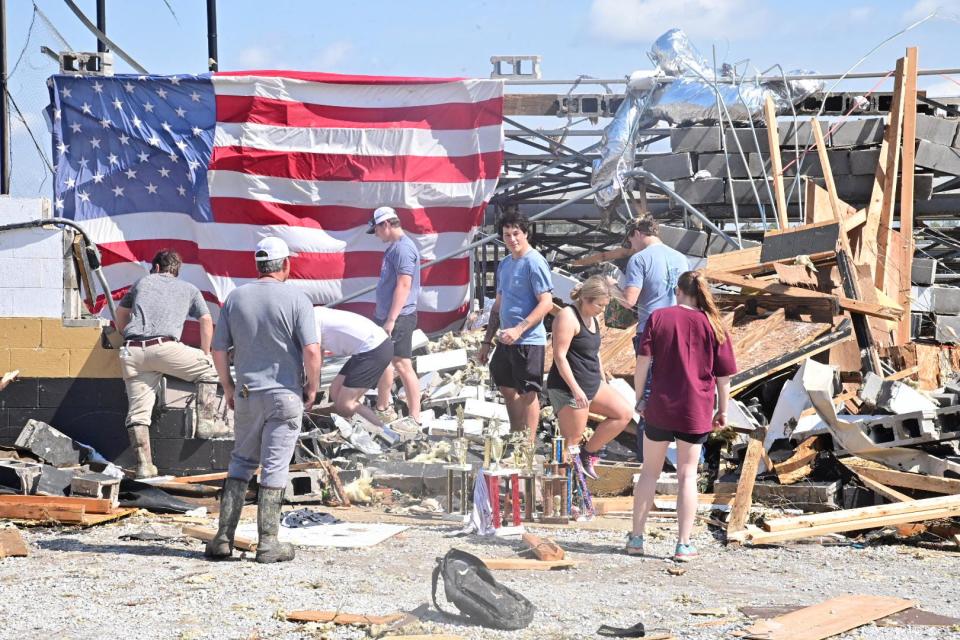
(46, 348)
(31, 262)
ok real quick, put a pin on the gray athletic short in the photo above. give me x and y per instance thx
(363, 370)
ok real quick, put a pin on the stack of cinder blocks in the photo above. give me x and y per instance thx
(853, 150)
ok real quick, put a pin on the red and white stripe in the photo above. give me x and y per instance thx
(307, 157)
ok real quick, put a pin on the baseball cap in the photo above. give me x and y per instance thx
(272, 248)
(382, 214)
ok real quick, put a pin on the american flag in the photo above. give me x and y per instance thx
(209, 164)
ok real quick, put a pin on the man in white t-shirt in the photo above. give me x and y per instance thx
(343, 333)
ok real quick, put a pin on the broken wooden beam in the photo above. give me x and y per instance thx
(740, 509)
(206, 534)
(543, 548)
(903, 479)
(339, 617)
(525, 564)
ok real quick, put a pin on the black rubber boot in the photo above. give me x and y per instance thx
(269, 549)
(231, 504)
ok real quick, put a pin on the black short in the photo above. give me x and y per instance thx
(363, 370)
(518, 366)
(665, 435)
(402, 334)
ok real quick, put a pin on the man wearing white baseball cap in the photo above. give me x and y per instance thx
(396, 311)
(271, 328)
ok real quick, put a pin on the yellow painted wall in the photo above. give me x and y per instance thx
(44, 347)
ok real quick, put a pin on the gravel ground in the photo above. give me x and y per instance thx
(90, 584)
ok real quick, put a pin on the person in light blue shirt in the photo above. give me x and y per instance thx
(524, 297)
(650, 283)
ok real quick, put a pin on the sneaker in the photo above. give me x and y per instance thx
(387, 415)
(685, 552)
(587, 460)
(634, 545)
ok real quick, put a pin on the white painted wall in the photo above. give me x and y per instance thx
(31, 262)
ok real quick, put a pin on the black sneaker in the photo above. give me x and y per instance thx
(587, 460)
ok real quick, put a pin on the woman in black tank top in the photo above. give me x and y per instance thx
(576, 384)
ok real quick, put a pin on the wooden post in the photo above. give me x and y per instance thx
(776, 166)
(740, 508)
(891, 167)
(828, 176)
(902, 335)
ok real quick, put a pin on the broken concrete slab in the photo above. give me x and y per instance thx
(442, 361)
(55, 481)
(48, 444)
(669, 167)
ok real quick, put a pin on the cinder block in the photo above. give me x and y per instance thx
(669, 167)
(745, 136)
(95, 363)
(945, 300)
(56, 336)
(923, 271)
(858, 133)
(20, 475)
(441, 361)
(923, 186)
(49, 444)
(23, 209)
(705, 191)
(687, 241)
(810, 166)
(96, 485)
(18, 273)
(716, 164)
(4, 360)
(41, 363)
(948, 330)
(864, 162)
(699, 139)
(20, 332)
(31, 303)
(853, 188)
(51, 273)
(938, 130)
(41, 243)
(798, 134)
(719, 245)
(938, 157)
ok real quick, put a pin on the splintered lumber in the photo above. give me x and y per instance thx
(734, 261)
(903, 479)
(776, 166)
(906, 191)
(828, 618)
(207, 534)
(42, 513)
(800, 464)
(894, 134)
(883, 490)
(337, 617)
(12, 544)
(525, 564)
(543, 548)
(87, 505)
(205, 477)
(604, 256)
(740, 509)
(943, 503)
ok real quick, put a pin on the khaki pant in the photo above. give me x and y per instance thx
(143, 367)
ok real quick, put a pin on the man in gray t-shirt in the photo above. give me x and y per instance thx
(270, 327)
(150, 317)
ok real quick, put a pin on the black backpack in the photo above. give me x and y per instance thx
(470, 586)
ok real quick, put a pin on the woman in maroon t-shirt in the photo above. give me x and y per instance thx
(691, 336)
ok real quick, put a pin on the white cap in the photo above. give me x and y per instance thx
(272, 248)
(382, 214)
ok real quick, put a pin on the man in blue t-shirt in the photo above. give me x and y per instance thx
(397, 293)
(650, 283)
(523, 299)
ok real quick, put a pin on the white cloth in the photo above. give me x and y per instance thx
(344, 333)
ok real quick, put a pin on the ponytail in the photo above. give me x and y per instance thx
(696, 286)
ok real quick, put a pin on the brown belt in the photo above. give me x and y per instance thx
(148, 343)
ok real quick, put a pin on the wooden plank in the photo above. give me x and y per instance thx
(776, 165)
(816, 203)
(883, 490)
(12, 544)
(207, 534)
(906, 373)
(543, 548)
(904, 479)
(893, 137)
(828, 618)
(89, 505)
(748, 477)
(92, 519)
(902, 333)
(338, 617)
(42, 513)
(832, 196)
(823, 257)
(733, 260)
(862, 513)
(203, 477)
(525, 564)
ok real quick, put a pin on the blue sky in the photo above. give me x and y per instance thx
(602, 38)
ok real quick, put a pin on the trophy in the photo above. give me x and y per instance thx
(460, 444)
(491, 432)
(496, 452)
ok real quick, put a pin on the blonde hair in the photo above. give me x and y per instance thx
(592, 288)
(696, 286)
